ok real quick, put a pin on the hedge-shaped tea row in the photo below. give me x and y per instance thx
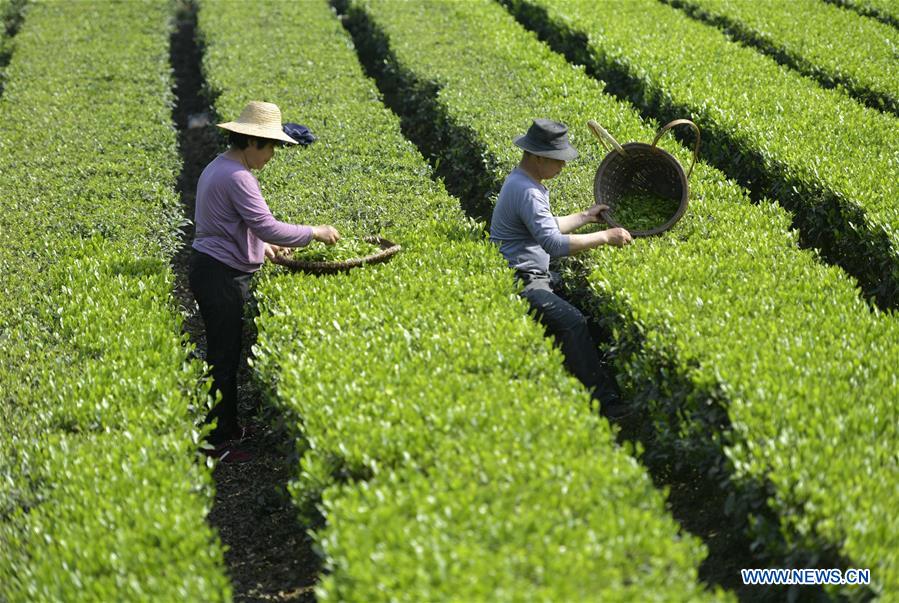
(835, 46)
(425, 376)
(721, 320)
(5, 17)
(10, 15)
(8, 10)
(886, 11)
(10, 18)
(828, 159)
(101, 497)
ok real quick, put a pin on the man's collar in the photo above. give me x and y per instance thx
(530, 177)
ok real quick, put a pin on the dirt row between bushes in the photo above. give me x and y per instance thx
(269, 555)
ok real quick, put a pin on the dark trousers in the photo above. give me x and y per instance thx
(569, 327)
(221, 292)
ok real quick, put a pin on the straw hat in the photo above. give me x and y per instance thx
(259, 120)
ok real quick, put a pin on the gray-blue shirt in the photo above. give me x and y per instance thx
(523, 226)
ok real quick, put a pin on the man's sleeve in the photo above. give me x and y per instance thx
(537, 217)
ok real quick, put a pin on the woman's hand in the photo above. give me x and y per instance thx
(272, 250)
(326, 234)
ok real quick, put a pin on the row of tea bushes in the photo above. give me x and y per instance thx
(11, 12)
(6, 9)
(423, 387)
(101, 494)
(735, 341)
(835, 46)
(886, 11)
(449, 452)
(831, 161)
(11, 15)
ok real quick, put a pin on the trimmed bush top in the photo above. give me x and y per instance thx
(883, 10)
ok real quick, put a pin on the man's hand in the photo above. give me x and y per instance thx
(272, 250)
(582, 218)
(326, 234)
(619, 237)
(591, 215)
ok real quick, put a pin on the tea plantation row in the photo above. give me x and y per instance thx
(8, 14)
(735, 341)
(10, 17)
(449, 452)
(834, 45)
(6, 8)
(11, 14)
(101, 497)
(886, 11)
(824, 156)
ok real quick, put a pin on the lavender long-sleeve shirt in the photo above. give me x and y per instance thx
(233, 220)
(523, 225)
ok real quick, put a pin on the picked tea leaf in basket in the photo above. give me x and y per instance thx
(645, 188)
(343, 250)
(644, 211)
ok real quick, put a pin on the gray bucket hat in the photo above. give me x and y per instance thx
(547, 138)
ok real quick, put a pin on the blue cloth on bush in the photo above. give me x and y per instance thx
(299, 133)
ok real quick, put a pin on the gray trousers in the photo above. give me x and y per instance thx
(569, 327)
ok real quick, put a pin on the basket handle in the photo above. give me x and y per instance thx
(605, 138)
(680, 122)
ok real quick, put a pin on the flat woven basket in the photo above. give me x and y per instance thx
(388, 250)
(637, 166)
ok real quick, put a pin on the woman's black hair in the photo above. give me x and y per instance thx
(242, 141)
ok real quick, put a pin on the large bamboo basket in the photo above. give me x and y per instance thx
(641, 167)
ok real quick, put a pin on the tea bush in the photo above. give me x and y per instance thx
(101, 494)
(11, 15)
(886, 11)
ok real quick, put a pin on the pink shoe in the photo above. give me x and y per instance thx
(228, 453)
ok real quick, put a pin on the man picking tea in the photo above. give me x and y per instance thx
(528, 235)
